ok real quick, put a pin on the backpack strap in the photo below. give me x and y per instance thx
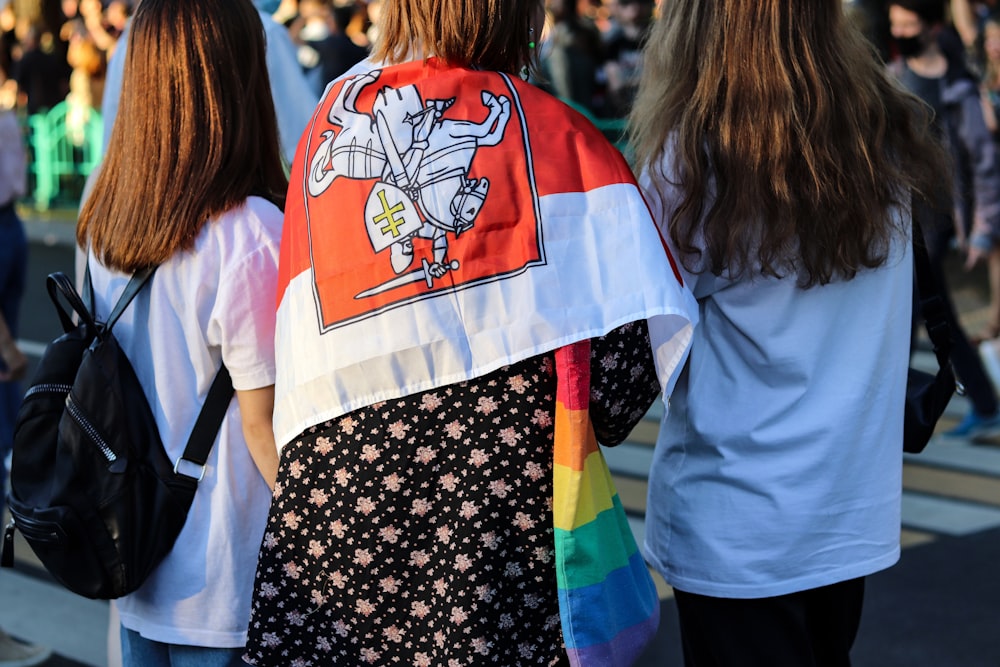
(932, 305)
(135, 284)
(207, 425)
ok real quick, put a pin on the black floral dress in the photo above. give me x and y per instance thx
(418, 531)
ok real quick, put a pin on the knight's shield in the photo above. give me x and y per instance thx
(390, 216)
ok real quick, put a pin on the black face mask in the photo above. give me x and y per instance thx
(910, 46)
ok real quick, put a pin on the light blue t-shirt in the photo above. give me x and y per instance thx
(779, 465)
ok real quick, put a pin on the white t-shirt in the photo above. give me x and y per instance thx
(778, 468)
(212, 304)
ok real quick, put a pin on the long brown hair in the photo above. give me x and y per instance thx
(195, 134)
(790, 141)
(492, 34)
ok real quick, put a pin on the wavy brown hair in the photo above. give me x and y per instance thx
(790, 141)
(194, 137)
(490, 34)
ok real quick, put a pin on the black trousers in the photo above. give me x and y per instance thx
(814, 628)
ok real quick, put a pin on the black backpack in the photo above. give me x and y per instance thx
(92, 489)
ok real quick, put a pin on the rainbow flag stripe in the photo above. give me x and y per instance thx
(607, 599)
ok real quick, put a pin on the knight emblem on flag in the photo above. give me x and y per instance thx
(407, 165)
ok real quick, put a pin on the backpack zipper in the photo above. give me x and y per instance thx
(88, 428)
(48, 388)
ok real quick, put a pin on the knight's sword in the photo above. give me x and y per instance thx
(412, 277)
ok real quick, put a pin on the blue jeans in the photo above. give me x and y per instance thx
(13, 273)
(138, 651)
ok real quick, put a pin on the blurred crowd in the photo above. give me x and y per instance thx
(55, 50)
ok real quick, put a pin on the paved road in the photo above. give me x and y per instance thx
(951, 518)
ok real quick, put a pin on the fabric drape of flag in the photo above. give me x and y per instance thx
(444, 222)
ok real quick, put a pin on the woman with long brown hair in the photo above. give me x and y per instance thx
(467, 272)
(191, 184)
(779, 161)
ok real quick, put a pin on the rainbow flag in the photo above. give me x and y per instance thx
(607, 599)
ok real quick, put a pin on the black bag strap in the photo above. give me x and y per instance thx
(209, 421)
(932, 304)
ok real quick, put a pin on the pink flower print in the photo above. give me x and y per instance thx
(340, 628)
(425, 454)
(398, 429)
(478, 458)
(323, 644)
(270, 540)
(270, 639)
(481, 646)
(369, 453)
(316, 549)
(487, 405)
(291, 520)
(393, 482)
(523, 521)
(366, 505)
(421, 660)
(370, 655)
(338, 580)
(363, 557)
(323, 446)
(534, 471)
(318, 497)
(440, 638)
(543, 554)
(430, 402)
(342, 476)
(509, 436)
(469, 509)
(296, 468)
(485, 593)
(518, 384)
(462, 562)
(440, 587)
(292, 571)
(317, 597)
(443, 534)
(419, 558)
(389, 584)
(419, 609)
(500, 488)
(390, 534)
(364, 607)
(449, 482)
(420, 506)
(339, 529)
(393, 634)
(490, 540)
(454, 429)
(458, 615)
(542, 418)
(347, 425)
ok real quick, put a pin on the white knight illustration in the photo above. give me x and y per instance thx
(424, 170)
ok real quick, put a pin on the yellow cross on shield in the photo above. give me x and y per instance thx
(390, 216)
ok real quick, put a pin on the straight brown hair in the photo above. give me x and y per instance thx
(790, 141)
(194, 137)
(490, 34)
